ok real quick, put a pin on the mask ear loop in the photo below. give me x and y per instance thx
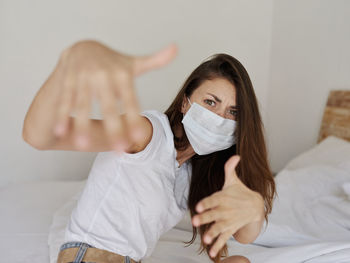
(183, 114)
(189, 101)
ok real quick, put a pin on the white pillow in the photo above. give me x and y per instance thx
(312, 205)
(332, 151)
(314, 184)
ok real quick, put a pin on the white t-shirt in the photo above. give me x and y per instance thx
(130, 200)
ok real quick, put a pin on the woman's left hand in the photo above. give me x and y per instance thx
(232, 208)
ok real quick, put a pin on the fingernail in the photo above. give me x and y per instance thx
(199, 208)
(195, 221)
(212, 254)
(207, 239)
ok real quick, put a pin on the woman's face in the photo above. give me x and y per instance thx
(217, 95)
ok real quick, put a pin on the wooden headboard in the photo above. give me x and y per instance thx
(336, 117)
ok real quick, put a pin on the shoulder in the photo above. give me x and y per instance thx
(160, 123)
(156, 116)
(157, 135)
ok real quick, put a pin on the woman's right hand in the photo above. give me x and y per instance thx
(89, 69)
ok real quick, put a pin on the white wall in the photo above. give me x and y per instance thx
(309, 57)
(33, 33)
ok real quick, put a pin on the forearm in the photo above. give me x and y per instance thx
(249, 232)
(40, 118)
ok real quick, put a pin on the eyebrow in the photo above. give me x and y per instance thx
(217, 99)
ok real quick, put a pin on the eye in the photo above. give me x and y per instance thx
(233, 112)
(207, 101)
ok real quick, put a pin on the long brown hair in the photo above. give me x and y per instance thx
(208, 170)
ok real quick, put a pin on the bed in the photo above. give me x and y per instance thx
(310, 221)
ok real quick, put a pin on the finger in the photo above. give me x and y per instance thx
(82, 109)
(216, 229)
(67, 80)
(220, 242)
(230, 172)
(125, 85)
(208, 216)
(154, 61)
(112, 122)
(211, 202)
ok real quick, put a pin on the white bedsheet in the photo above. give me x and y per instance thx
(26, 213)
(171, 250)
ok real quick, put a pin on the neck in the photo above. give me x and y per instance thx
(183, 156)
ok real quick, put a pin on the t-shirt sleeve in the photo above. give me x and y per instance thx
(155, 145)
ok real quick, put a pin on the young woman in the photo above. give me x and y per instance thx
(206, 153)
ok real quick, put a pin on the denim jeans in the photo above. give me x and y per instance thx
(81, 251)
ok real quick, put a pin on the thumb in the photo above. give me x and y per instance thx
(230, 172)
(158, 59)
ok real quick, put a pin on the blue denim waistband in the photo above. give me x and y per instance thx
(73, 244)
(82, 249)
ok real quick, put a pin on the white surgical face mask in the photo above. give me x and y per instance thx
(206, 131)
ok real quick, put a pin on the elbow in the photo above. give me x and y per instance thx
(244, 239)
(248, 235)
(32, 141)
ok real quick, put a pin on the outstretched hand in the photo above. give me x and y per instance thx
(89, 69)
(231, 208)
